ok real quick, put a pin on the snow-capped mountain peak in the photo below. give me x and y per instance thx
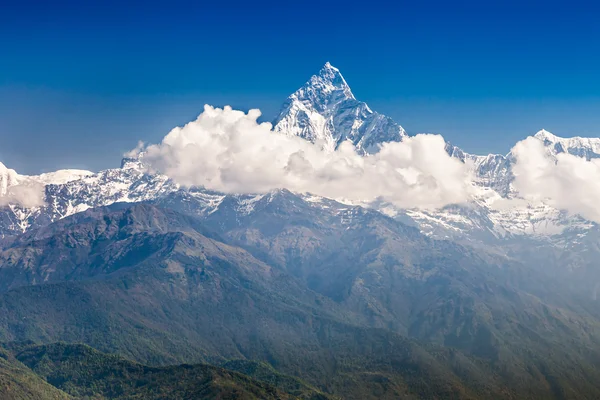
(545, 135)
(578, 146)
(324, 90)
(325, 111)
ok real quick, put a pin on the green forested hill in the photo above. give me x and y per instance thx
(86, 373)
(17, 382)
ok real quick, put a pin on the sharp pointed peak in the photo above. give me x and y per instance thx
(331, 73)
(545, 135)
(328, 82)
(328, 66)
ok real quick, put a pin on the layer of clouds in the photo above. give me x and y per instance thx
(227, 150)
(27, 195)
(563, 181)
(19, 190)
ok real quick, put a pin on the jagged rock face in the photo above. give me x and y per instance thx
(491, 171)
(69, 196)
(325, 111)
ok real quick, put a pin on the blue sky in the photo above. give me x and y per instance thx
(82, 82)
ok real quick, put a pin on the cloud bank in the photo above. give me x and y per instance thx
(229, 151)
(24, 195)
(18, 190)
(563, 181)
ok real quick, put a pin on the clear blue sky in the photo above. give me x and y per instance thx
(81, 82)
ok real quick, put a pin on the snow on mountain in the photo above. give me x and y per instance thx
(23, 196)
(494, 170)
(10, 177)
(70, 192)
(491, 171)
(497, 213)
(61, 176)
(325, 111)
(66, 192)
(587, 148)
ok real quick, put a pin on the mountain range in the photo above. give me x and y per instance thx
(322, 111)
(351, 301)
(325, 111)
(467, 301)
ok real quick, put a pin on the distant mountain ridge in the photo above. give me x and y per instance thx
(587, 148)
(10, 177)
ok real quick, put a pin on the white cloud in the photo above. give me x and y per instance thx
(26, 195)
(563, 181)
(19, 190)
(136, 151)
(227, 150)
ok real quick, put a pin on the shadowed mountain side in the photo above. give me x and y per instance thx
(322, 304)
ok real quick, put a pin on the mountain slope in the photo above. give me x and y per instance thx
(322, 293)
(350, 252)
(19, 383)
